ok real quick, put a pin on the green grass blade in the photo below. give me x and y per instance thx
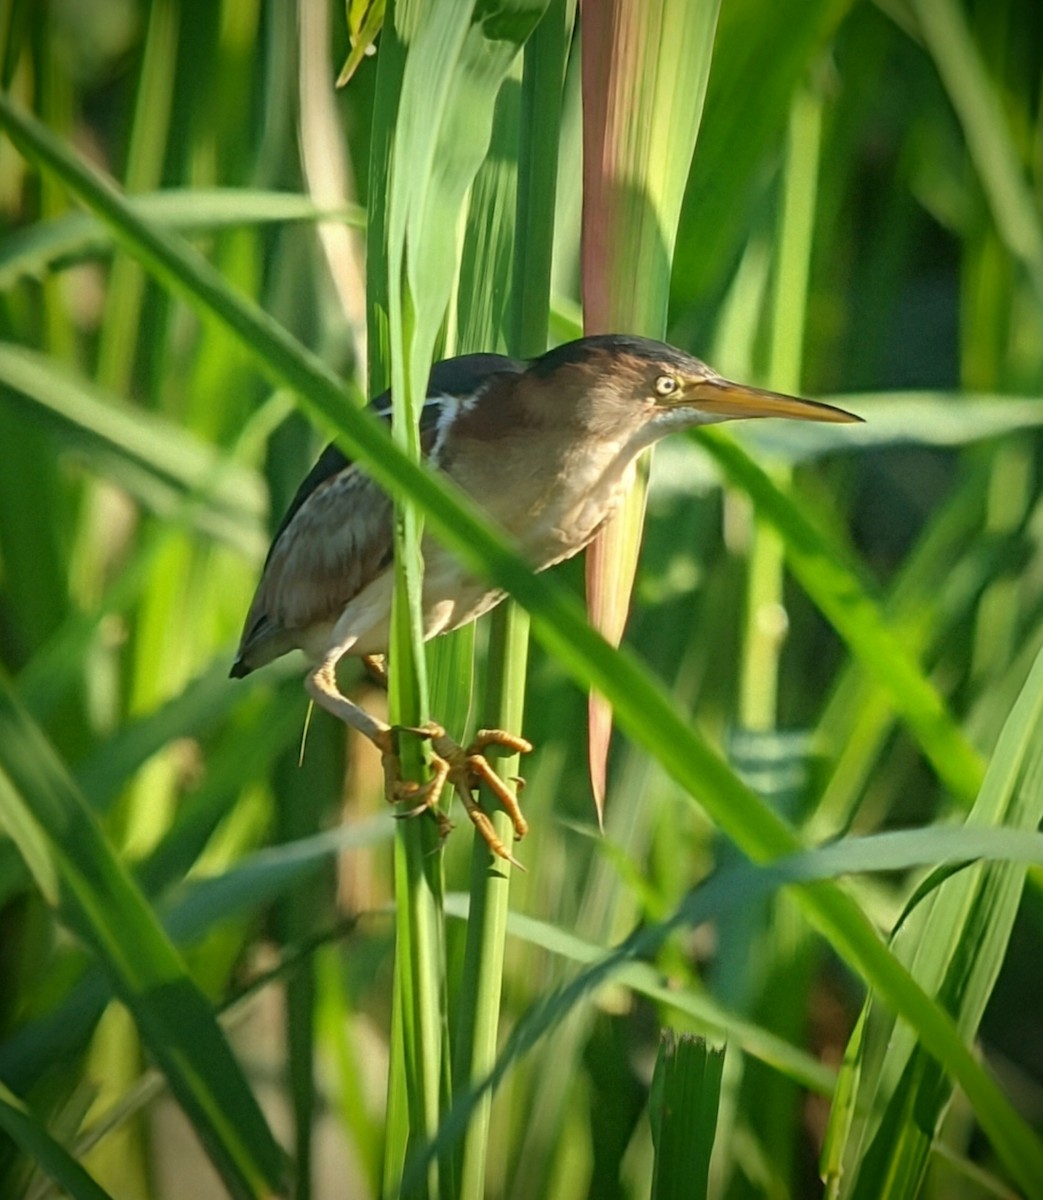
(642, 707)
(49, 1155)
(77, 872)
(747, 883)
(710, 1017)
(158, 463)
(686, 1090)
(505, 285)
(954, 942)
(990, 142)
(453, 69)
(64, 241)
(822, 570)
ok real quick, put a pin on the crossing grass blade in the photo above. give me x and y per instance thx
(581, 655)
(954, 942)
(79, 875)
(743, 884)
(50, 1156)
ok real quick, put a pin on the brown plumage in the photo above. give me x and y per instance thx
(547, 448)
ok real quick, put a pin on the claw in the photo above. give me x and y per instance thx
(465, 770)
(469, 768)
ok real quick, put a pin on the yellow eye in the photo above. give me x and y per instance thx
(665, 385)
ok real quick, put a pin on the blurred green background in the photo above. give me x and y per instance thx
(895, 152)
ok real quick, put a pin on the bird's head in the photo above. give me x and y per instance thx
(647, 389)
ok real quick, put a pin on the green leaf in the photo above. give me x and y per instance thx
(56, 244)
(823, 571)
(641, 706)
(747, 883)
(79, 875)
(31, 1136)
(156, 461)
(954, 942)
(686, 1091)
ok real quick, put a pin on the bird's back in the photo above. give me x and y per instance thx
(336, 535)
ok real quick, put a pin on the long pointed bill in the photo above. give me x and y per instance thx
(722, 398)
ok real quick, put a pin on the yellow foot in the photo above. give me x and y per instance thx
(424, 796)
(465, 769)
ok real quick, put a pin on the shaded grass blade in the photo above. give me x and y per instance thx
(747, 883)
(642, 707)
(954, 941)
(686, 1092)
(824, 573)
(54, 245)
(79, 875)
(156, 461)
(48, 1154)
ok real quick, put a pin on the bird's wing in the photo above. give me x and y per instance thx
(336, 540)
(336, 536)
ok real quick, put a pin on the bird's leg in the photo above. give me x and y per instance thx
(376, 665)
(465, 769)
(321, 685)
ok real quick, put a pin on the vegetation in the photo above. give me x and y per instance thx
(823, 794)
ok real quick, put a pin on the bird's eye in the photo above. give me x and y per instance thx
(665, 385)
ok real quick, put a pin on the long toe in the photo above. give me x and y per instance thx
(470, 768)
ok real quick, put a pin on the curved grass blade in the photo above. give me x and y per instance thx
(647, 980)
(641, 706)
(747, 883)
(78, 874)
(31, 1136)
(64, 241)
(825, 575)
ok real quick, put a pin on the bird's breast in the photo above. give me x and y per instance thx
(551, 499)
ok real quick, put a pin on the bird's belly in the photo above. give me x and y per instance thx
(452, 598)
(550, 526)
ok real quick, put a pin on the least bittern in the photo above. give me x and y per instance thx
(547, 447)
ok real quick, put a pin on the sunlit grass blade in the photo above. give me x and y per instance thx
(79, 875)
(647, 714)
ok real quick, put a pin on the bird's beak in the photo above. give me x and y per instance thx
(726, 400)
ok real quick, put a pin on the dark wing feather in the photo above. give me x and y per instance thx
(336, 541)
(336, 536)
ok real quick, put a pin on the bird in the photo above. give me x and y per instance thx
(548, 448)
